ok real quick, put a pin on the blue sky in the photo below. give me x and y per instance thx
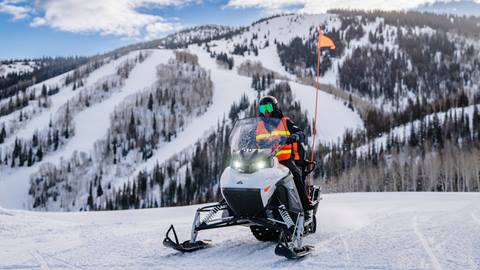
(19, 39)
(35, 28)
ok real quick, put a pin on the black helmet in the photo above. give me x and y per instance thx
(268, 104)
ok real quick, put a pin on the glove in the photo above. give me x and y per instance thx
(293, 138)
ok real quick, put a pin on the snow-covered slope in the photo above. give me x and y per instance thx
(17, 67)
(356, 231)
(92, 122)
(403, 132)
(459, 8)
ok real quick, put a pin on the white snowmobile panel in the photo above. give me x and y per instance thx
(263, 180)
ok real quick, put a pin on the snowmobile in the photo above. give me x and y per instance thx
(258, 192)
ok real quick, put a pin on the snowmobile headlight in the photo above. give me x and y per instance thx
(236, 164)
(261, 164)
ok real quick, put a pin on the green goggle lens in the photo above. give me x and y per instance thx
(266, 108)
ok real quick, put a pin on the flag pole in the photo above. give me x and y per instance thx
(316, 107)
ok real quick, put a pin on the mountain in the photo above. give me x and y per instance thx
(461, 8)
(147, 125)
(357, 231)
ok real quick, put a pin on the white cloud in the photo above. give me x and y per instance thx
(125, 18)
(15, 8)
(317, 6)
(265, 4)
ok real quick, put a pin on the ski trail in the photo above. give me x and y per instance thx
(435, 264)
(40, 260)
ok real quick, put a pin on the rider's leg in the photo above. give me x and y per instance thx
(299, 183)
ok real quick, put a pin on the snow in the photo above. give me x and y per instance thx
(52, 82)
(42, 119)
(142, 76)
(333, 117)
(19, 67)
(228, 88)
(355, 231)
(403, 132)
(91, 123)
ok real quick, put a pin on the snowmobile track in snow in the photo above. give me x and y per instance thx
(435, 263)
(40, 260)
(408, 231)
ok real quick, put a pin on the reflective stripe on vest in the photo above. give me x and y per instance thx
(280, 131)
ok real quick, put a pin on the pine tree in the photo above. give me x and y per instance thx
(99, 189)
(44, 91)
(56, 139)
(90, 197)
(30, 157)
(150, 102)
(3, 134)
(39, 154)
(132, 130)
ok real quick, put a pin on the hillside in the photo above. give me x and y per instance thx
(460, 8)
(147, 125)
(356, 231)
(77, 174)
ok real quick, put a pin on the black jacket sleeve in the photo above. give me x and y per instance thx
(294, 129)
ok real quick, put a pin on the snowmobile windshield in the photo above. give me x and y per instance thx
(257, 133)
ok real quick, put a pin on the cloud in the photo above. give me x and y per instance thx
(317, 6)
(126, 18)
(15, 8)
(266, 4)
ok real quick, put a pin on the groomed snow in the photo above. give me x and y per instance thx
(355, 231)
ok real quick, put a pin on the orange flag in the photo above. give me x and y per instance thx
(325, 42)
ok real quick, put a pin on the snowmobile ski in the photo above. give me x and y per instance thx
(292, 253)
(186, 246)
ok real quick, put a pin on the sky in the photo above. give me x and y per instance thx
(35, 28)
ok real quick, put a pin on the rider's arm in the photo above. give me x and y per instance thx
(294, 129)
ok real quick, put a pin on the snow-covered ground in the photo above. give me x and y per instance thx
(356, 231)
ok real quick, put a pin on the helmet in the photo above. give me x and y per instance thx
(267, 104)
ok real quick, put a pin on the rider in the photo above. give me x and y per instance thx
(289, 154)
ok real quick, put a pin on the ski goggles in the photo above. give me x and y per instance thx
(266, 108)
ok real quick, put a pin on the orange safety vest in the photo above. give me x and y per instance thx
(281, 131)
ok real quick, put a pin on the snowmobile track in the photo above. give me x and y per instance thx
(40, 260)
(62, 262)
(409, 231)
(435, 263)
